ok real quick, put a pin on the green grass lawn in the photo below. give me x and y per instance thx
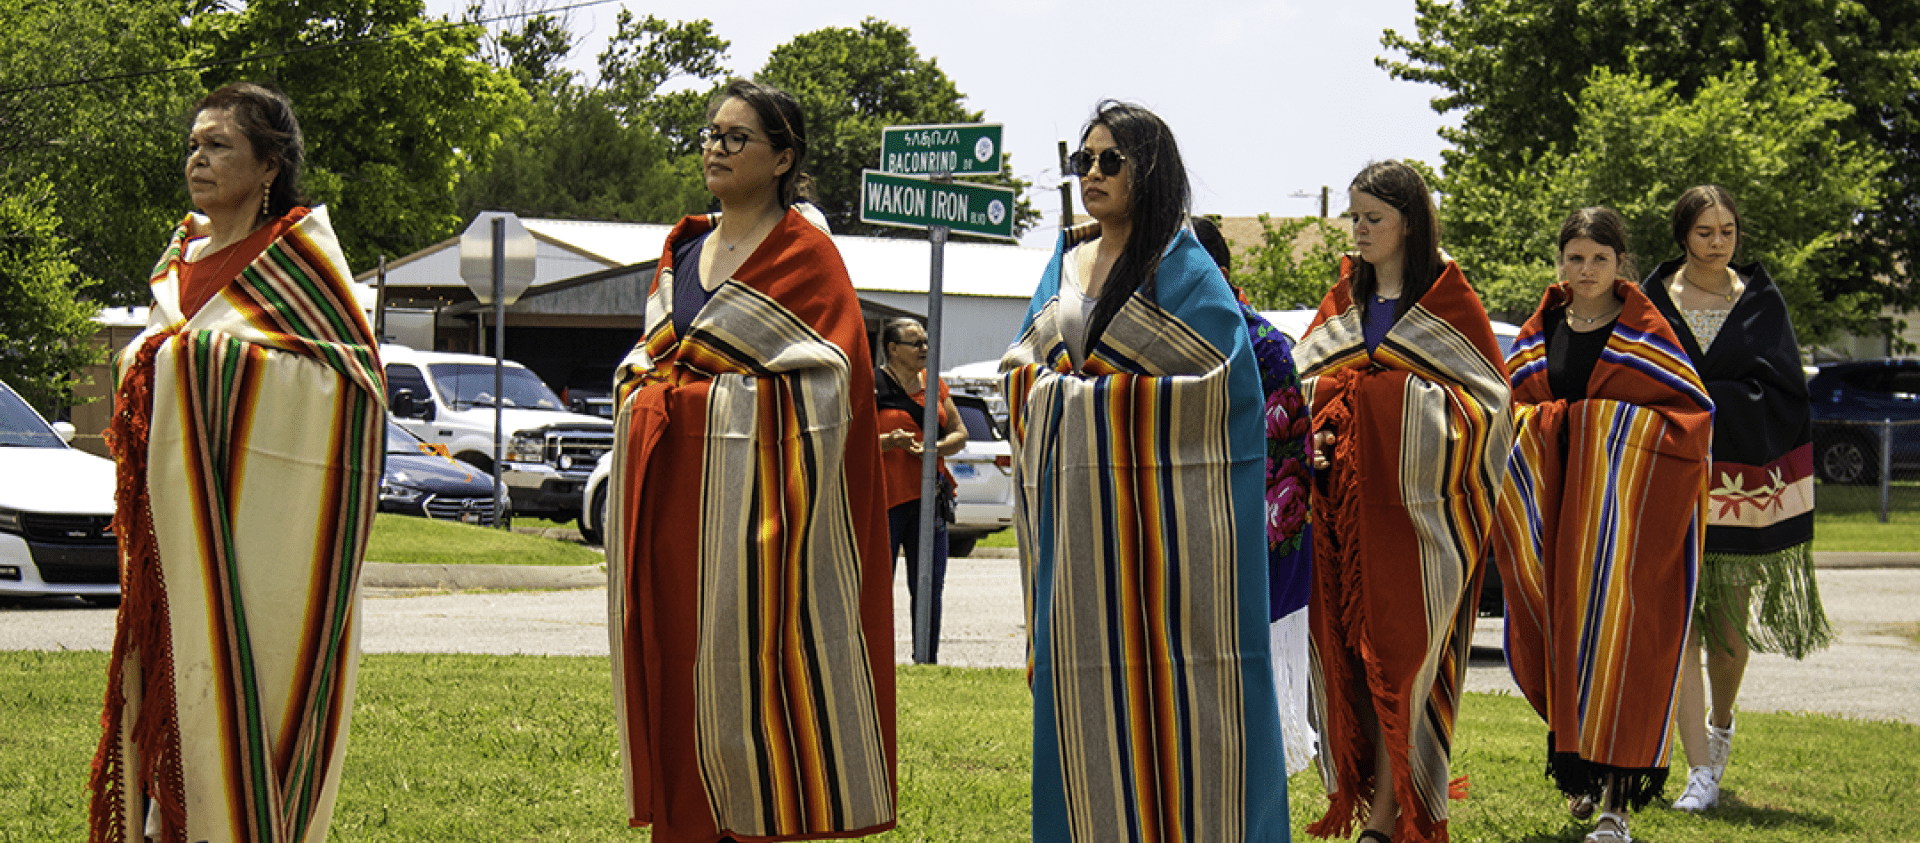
(522, 748)
(1847, 518)
(406, 539)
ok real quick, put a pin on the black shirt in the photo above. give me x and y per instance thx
(1571, 355)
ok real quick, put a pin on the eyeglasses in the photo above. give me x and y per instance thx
(919, 344)
(730, 142)
(1109, 159)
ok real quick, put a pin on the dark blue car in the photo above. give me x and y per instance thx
(1851, 401)
(420, 480)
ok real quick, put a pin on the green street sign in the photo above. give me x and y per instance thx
(960, 149)
(910, 202)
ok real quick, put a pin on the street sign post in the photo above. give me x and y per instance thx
(959, 149)
(911, 202)
(497, 262)
(901, 193)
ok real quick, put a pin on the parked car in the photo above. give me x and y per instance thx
(982, 477)
(447, 399)
(982, 473)
(1850, 401)
(56, 510)
(421, 479)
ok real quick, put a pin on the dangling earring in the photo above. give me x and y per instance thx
(266, 198)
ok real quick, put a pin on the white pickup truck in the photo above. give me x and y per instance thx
(448, 399)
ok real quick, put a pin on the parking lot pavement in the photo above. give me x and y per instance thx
(1867, 674)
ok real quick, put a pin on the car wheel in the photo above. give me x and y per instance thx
(958, 546)
(593, 522)
(481, 462)
(1847, 460)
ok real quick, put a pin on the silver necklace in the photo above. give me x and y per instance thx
(1589, 320)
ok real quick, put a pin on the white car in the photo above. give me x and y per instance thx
(982, 473)
(56, 510)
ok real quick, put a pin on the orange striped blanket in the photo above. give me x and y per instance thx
(1601, 523)
(1402, 519)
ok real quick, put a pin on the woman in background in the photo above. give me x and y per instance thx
(1411, 433)
(1601, 519)
(1733, 323)
(1135, 407)
(248, 428)
(750, 594)
(900, 385)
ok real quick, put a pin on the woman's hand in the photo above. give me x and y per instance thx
(1322, 449)
(900, 438)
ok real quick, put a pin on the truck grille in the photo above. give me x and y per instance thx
(576, 450)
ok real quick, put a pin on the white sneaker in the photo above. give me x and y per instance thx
(1703, 791)
(1719, 746)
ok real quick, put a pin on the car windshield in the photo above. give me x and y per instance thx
(471, 384)
(979, 423)
(399, 441)
(21, 427)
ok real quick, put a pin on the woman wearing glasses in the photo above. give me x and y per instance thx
(750, 601)
(1411, 435)
(1139, 454)
(900, 388)
(1600, 523)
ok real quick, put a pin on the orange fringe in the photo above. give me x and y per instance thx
(1337, 580)
(141, 632)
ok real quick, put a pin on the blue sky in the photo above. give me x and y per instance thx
(1268, 99)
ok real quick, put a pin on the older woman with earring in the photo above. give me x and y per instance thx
(1411, 433)
(1733, 323)
(248, 428)
(1601, 521)
(1135, 406)
(749, 589)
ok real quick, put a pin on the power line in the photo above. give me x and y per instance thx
(358, 42)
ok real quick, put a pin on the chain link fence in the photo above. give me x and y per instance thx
(1867, 466)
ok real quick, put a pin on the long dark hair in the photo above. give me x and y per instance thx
(1605, 227)
(1402, 188)
(1158, 203)
(265, 116)
(780, 117)
(1695, 201)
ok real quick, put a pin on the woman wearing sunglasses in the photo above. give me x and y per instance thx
(901, 387)
(1603, 506)
(750, 592)
(1139, 452)
(1411, 435)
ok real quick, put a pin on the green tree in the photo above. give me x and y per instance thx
(45, 323)
(853, 82)
(395, 107)
(79, 108)
(1802, 184)
(617, 149)
(1294, 264)
(1514, 70)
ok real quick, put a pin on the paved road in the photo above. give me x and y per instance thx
(1868, 674)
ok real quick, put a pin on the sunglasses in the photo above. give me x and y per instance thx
(1110, 161)
(919, 344)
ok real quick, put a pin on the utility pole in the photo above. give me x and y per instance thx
(1066, 190)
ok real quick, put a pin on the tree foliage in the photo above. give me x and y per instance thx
(44, 323)
(1775, 142)
(1294, 265)
(395, 107)
(78, 109)
(619, 148)
(1515, 70)
(853, 82)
